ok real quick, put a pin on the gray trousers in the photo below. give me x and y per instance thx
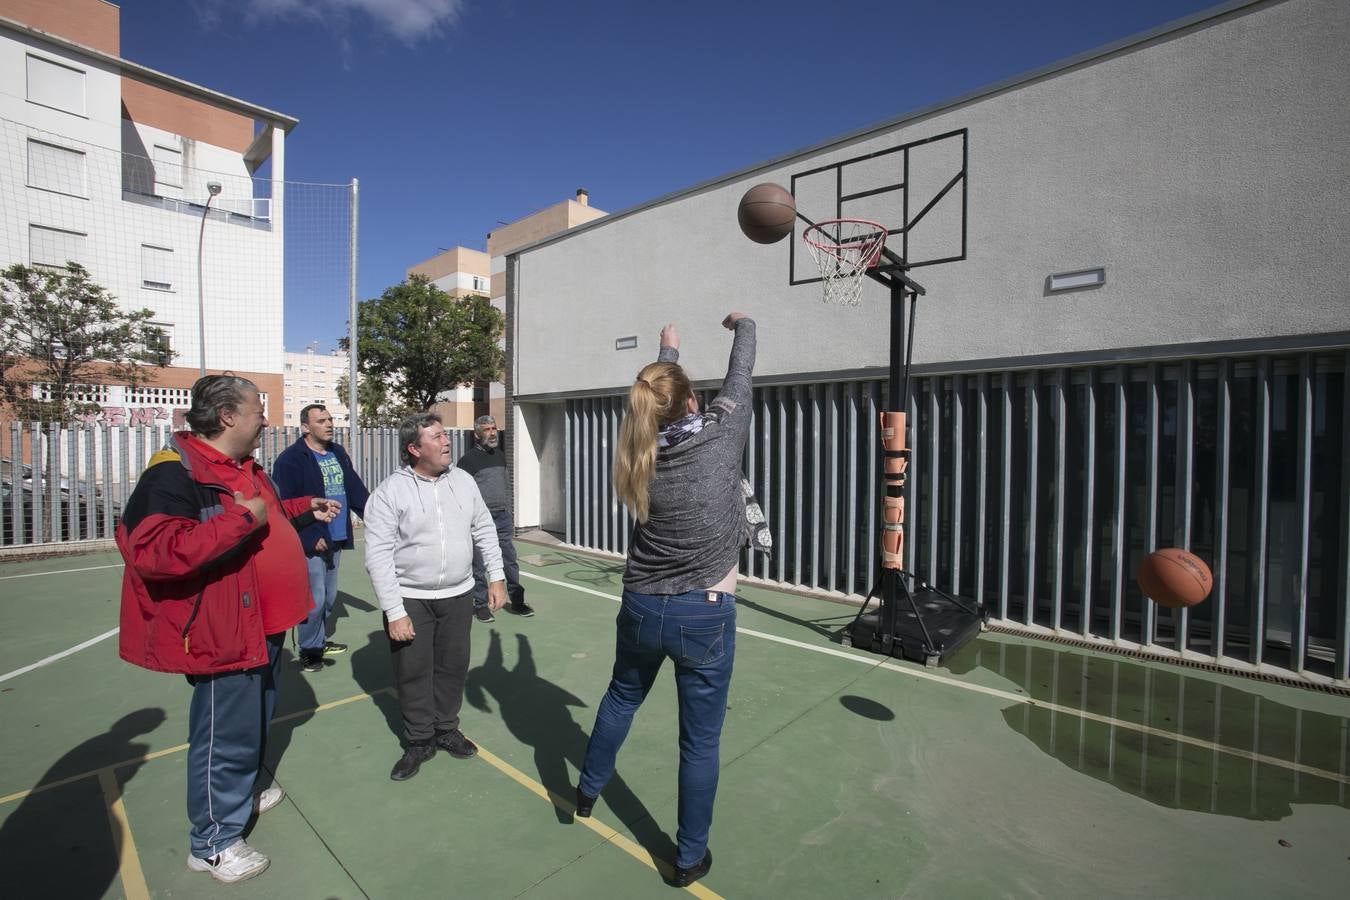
(430, 669)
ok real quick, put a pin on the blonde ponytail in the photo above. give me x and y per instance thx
(659, 396)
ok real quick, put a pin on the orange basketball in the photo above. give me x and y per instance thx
(1174, 578)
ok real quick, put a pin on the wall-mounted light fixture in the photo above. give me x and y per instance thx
(1073, 281)
(626, 343)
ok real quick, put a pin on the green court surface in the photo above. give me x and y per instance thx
(1024, 769)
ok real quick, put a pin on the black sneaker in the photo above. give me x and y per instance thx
(584, 804)
(456, 744)
(483, 614)
(686, 876)
(520, 609)
(333, 647)
(412, 760)
(311, 660)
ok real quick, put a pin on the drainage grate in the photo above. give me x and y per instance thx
(1335, 689)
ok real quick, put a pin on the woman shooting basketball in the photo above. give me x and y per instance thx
(678, 470)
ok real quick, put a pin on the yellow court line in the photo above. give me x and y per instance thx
(169, 751)
(129, 862)
(609, 834)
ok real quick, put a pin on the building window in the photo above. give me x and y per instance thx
(160, 338)
(53, 168)
(54, 85)
(54, 248)
(168, 171)
(480, 283)
(156, 267)
(288, 368)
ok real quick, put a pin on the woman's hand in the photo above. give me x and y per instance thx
(730, 321)
(670, 337)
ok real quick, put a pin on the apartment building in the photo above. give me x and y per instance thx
(151, 183)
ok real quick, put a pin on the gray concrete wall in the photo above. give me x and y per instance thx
(1205, 169)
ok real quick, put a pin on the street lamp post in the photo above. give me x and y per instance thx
(212, 190)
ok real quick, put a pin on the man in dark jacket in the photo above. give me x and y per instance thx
(486, 462)
(214, 578)
(316, 466)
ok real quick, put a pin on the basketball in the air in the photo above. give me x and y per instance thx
(766, 213)
(1174, 578)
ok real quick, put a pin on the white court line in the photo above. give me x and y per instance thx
(55, 656)
(61, 571)
(1006, 695)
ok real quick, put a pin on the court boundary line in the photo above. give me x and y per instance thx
(1001, 694)
(62, 571)
(47, 661)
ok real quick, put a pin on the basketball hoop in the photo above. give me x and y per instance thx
(845, 249)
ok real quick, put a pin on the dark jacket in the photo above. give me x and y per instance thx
(296, 473)
(198, 565)
(488, 468)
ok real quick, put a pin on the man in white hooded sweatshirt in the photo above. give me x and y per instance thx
(422, 525)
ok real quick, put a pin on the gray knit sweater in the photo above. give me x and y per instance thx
(696, 528)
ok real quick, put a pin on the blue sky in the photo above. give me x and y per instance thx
(459, 114)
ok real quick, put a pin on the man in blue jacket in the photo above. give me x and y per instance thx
(316, 466)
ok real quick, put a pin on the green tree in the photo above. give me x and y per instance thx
(416, 342)
(61, 334)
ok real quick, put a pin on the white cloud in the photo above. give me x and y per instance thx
(408, 20)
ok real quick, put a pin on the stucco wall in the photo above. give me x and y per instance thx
(1205, 169)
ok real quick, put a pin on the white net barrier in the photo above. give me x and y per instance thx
(844, 249)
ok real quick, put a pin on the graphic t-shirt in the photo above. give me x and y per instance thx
(334, 488)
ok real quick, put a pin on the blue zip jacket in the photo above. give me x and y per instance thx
(296, 474)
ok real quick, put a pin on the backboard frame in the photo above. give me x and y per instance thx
(907, 222)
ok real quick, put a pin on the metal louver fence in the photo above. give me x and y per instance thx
(68, 483)
(1039, 491)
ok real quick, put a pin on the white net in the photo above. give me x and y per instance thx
(844, 249)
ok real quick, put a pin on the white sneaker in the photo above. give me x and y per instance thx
(235, 863)
(265, 800)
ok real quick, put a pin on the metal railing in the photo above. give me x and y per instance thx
(69, 483)
(1038, 492)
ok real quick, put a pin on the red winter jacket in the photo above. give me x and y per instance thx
(203, 583)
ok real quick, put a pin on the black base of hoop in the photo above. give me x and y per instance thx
(922, 624)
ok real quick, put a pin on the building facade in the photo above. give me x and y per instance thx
(151, 183)
(312, 377)
(460, 271)
(1139, 338)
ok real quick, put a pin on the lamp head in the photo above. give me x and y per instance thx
(213, 188)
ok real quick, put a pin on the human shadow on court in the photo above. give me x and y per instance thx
(1192, 774)
(536, 713)
(61, 841)
(374, 672)
(828, 627)
(295, 706)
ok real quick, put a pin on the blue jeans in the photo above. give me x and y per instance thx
(227, 729)
(323, 588)
(697, 631)
(505, 535)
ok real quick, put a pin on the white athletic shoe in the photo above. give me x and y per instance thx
(265, 800)
(235, 863)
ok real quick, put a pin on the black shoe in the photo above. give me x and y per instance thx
(520, 609)
(311, 660)
(584, 804)
(456, 744)
(483, 614)
(333, 647)
(684, 877)
(412, 760)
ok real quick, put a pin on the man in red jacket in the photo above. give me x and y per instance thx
(214, 578)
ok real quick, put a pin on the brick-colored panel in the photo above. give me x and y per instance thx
(94, 23)
(188, 116)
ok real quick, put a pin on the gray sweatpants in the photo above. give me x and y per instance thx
(430, 669)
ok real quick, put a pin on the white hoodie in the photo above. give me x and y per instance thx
(420, 536)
